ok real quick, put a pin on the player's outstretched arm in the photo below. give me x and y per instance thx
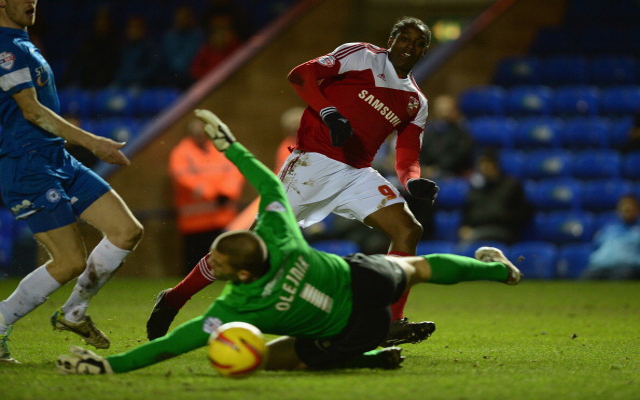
(35, 112)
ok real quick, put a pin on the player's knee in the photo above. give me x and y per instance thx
(127, 236)
(67, 267)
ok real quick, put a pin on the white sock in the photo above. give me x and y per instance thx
(103, 262)
(33, 290)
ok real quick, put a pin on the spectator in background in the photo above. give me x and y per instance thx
(221, 41)
(617, 254)
(138, 59)
(634, 135)
(94, 65)
(207, 187)
(447, 146)
(239, 17)
(496, 207)
(179, 46)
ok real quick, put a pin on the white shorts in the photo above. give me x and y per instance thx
(318, 186)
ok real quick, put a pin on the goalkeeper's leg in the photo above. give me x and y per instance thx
(170, 301)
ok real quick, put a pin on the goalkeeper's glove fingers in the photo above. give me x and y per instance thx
(218, 131)
(338, 125)
(83, 362)
(422, 188)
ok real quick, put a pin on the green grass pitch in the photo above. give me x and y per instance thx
(538, 340)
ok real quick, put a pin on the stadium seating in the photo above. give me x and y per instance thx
(585, 132)
(538, 132)
(620, 100)
(492, 131)
(554, 163)
(436, 246)
(576, 100)
(603, 194)
(447, 224)
(524, 70)
(564, 69)
(565, 226)
(452, 194)
(514, 163)
(469, 249)
(554, 194)
(536, 259)
(631, 166)
(573, 258)
(597, 163)
(529, 100)
(607, 70)
(336, 246)
(483, 100)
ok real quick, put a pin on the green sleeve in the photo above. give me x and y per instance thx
(187, 337)
(277, 225)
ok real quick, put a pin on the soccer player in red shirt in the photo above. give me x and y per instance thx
(357, 96)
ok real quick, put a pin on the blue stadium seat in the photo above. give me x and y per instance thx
(573, 258)
(586, 132)
(631, 166)
(447, 224)
(576, 100)
(554, 163)
(619, 129)
(535, 259)
(620, 100)
(554, 193)
(608, 70)
(115, 102)
(74, 101)
(436, 246)
(153, 100)
(523, 70)
(538, 132)
(564, 70)
(336, 246)
(565, 226)
(119, 129)
(452, 194)
(603, 194)
(492, 131)
(597, 163)
(529, 100)
(514, 163)
(482, 100)
(605, 218)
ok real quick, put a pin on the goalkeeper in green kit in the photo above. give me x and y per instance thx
(331, 311)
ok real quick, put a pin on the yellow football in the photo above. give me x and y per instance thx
(237, 349)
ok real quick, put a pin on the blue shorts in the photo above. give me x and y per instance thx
(48, 188)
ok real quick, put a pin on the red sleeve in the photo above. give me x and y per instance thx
(304, 79)
(408, 153)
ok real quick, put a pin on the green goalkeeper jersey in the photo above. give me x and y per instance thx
(306, 293)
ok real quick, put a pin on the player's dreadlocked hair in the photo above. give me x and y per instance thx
(403, 22)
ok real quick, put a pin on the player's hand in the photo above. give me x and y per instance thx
(83, 362)
(218, 131)
(338, 125)
(422, 188)
(109, 151)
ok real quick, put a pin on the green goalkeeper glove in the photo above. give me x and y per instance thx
(217, 130)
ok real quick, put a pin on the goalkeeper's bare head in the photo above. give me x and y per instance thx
(238, 256)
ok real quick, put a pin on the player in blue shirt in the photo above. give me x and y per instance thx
(45, 186)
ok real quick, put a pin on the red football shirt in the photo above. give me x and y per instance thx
(360, 81)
